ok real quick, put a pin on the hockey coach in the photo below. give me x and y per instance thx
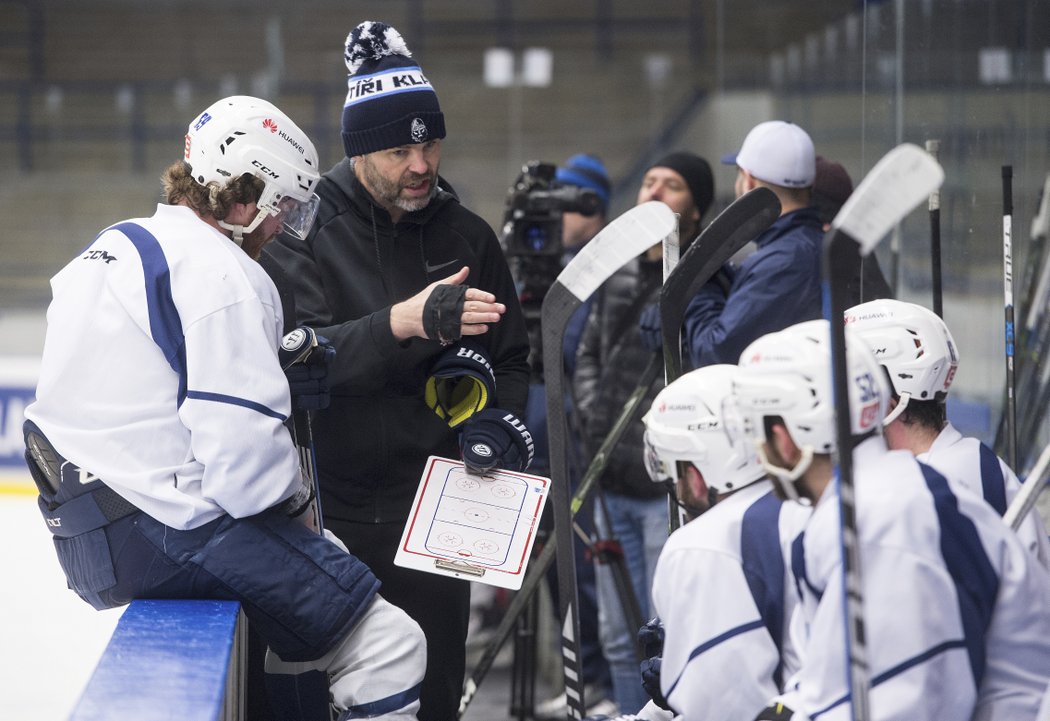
(384, 275)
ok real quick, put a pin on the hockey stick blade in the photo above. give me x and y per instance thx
(629, 235)
(626, 237)
(898, 183)
(741, 222)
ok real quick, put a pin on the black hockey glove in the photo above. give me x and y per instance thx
(776, 712)
(495, 439)
(306, 358)
(651, 638)
(650, 669)
(461, 383)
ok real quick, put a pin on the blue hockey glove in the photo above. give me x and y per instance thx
(649, 328)
(495, 439)
(461, 383)
(306, 358)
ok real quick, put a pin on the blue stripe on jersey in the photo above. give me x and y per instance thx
(993, 484)
(235, 401)
(798, 566)
(763, 564)
(165, 325)
(708, 645)
(976, 583)
(898, 669)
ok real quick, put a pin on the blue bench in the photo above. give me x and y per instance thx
(170, 660)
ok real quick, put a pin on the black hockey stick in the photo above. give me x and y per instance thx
(1008, 320)
(932, 146)
(894, 187)
(730, 231)
(538, 568)
(625, 238)
(1033, 336)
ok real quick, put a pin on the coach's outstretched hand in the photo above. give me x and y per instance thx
(445, 311)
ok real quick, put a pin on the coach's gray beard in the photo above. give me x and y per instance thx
(389, 193)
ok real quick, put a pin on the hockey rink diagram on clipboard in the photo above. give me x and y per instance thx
(479, 528)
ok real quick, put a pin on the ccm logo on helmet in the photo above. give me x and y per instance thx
(265, 170)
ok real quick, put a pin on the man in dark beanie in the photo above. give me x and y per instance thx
(631, 509)
(384, 276)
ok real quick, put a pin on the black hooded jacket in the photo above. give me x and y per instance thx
(373, 441)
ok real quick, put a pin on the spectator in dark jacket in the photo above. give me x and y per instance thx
(779, 284)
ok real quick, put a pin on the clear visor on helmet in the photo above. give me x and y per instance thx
(298, 215)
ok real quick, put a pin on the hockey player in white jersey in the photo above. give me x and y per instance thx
(956, 621)
(921, 358)
(722, 586)
(157, 439)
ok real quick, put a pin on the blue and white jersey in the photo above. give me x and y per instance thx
(722, 589)
(160, 373)
(957, 623)
(974, 465)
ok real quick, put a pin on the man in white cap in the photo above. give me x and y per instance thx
(779, 284)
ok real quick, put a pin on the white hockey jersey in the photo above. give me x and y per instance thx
(957, 622)
(723, 590)
(160, 373)
(979, 470)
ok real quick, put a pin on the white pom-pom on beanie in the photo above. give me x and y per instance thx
(389, 101)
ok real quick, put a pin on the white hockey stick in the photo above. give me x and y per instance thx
(628, 236)
(1029, 493)
(897, 184)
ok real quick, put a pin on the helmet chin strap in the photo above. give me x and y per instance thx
(785, 476)
(902, 403)
(239, 230)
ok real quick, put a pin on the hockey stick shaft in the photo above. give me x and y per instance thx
(895, 186)
(538, 568)
(671, 255)
(932, 146)
(1008, 320)
(1025, 499)
(841, 253)
(622, 240)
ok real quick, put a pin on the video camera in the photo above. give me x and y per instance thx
(535, 203)
(532, 242)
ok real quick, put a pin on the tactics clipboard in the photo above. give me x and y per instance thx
(478, 528)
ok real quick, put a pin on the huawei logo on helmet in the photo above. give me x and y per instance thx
(270, 125)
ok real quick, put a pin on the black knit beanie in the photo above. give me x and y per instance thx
(696, 173)
(389, 102)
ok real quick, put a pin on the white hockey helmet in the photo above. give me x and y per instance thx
(787, 374)
(912, 343)
(685, 424)
(242, 134)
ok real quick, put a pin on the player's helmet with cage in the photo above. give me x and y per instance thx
(787, 375)
(914, 346)
(685, 424)
(242, 134)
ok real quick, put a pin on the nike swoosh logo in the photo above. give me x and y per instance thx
(434, 268)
